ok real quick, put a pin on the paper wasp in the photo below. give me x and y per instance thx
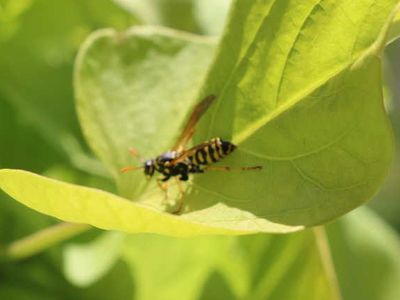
(179, 163)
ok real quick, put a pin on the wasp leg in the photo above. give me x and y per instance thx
(196, 169)
(161, 182)
(223, 168)
(166, 178)
(183, 177)
(182, 192)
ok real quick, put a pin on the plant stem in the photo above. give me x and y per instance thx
(41, 240)
(326, 260)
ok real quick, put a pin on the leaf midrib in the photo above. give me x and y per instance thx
(286, 106)
(290, 104)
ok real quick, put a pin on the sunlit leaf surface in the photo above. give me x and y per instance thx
(107, 211)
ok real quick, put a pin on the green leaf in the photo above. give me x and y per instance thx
(394, 31)
(365, 251)
(306, 112)
(299, 90)
(87, 263)
(78, 204)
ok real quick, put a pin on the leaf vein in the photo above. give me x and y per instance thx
(302, 155)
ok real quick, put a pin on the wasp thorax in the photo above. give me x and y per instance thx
(167, 157)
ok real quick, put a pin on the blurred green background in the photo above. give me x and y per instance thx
(39, 132)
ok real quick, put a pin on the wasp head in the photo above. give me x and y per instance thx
(149, 167)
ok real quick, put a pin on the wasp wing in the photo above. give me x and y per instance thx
(189, 152)
(194, 118)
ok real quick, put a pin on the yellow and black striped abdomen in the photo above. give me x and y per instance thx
(211, 151)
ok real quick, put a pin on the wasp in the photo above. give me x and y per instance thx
(180, 163)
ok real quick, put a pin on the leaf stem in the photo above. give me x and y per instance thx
(41, 240)
(386, 36)
(394, 31)
(326, 260)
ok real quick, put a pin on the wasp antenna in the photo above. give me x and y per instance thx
(134, 153)
(130, 168)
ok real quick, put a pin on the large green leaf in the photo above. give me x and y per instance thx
(312, 117)
(299, 87)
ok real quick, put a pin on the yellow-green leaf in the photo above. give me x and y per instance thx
(107, 211)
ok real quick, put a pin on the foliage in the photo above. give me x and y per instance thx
(298, 88)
